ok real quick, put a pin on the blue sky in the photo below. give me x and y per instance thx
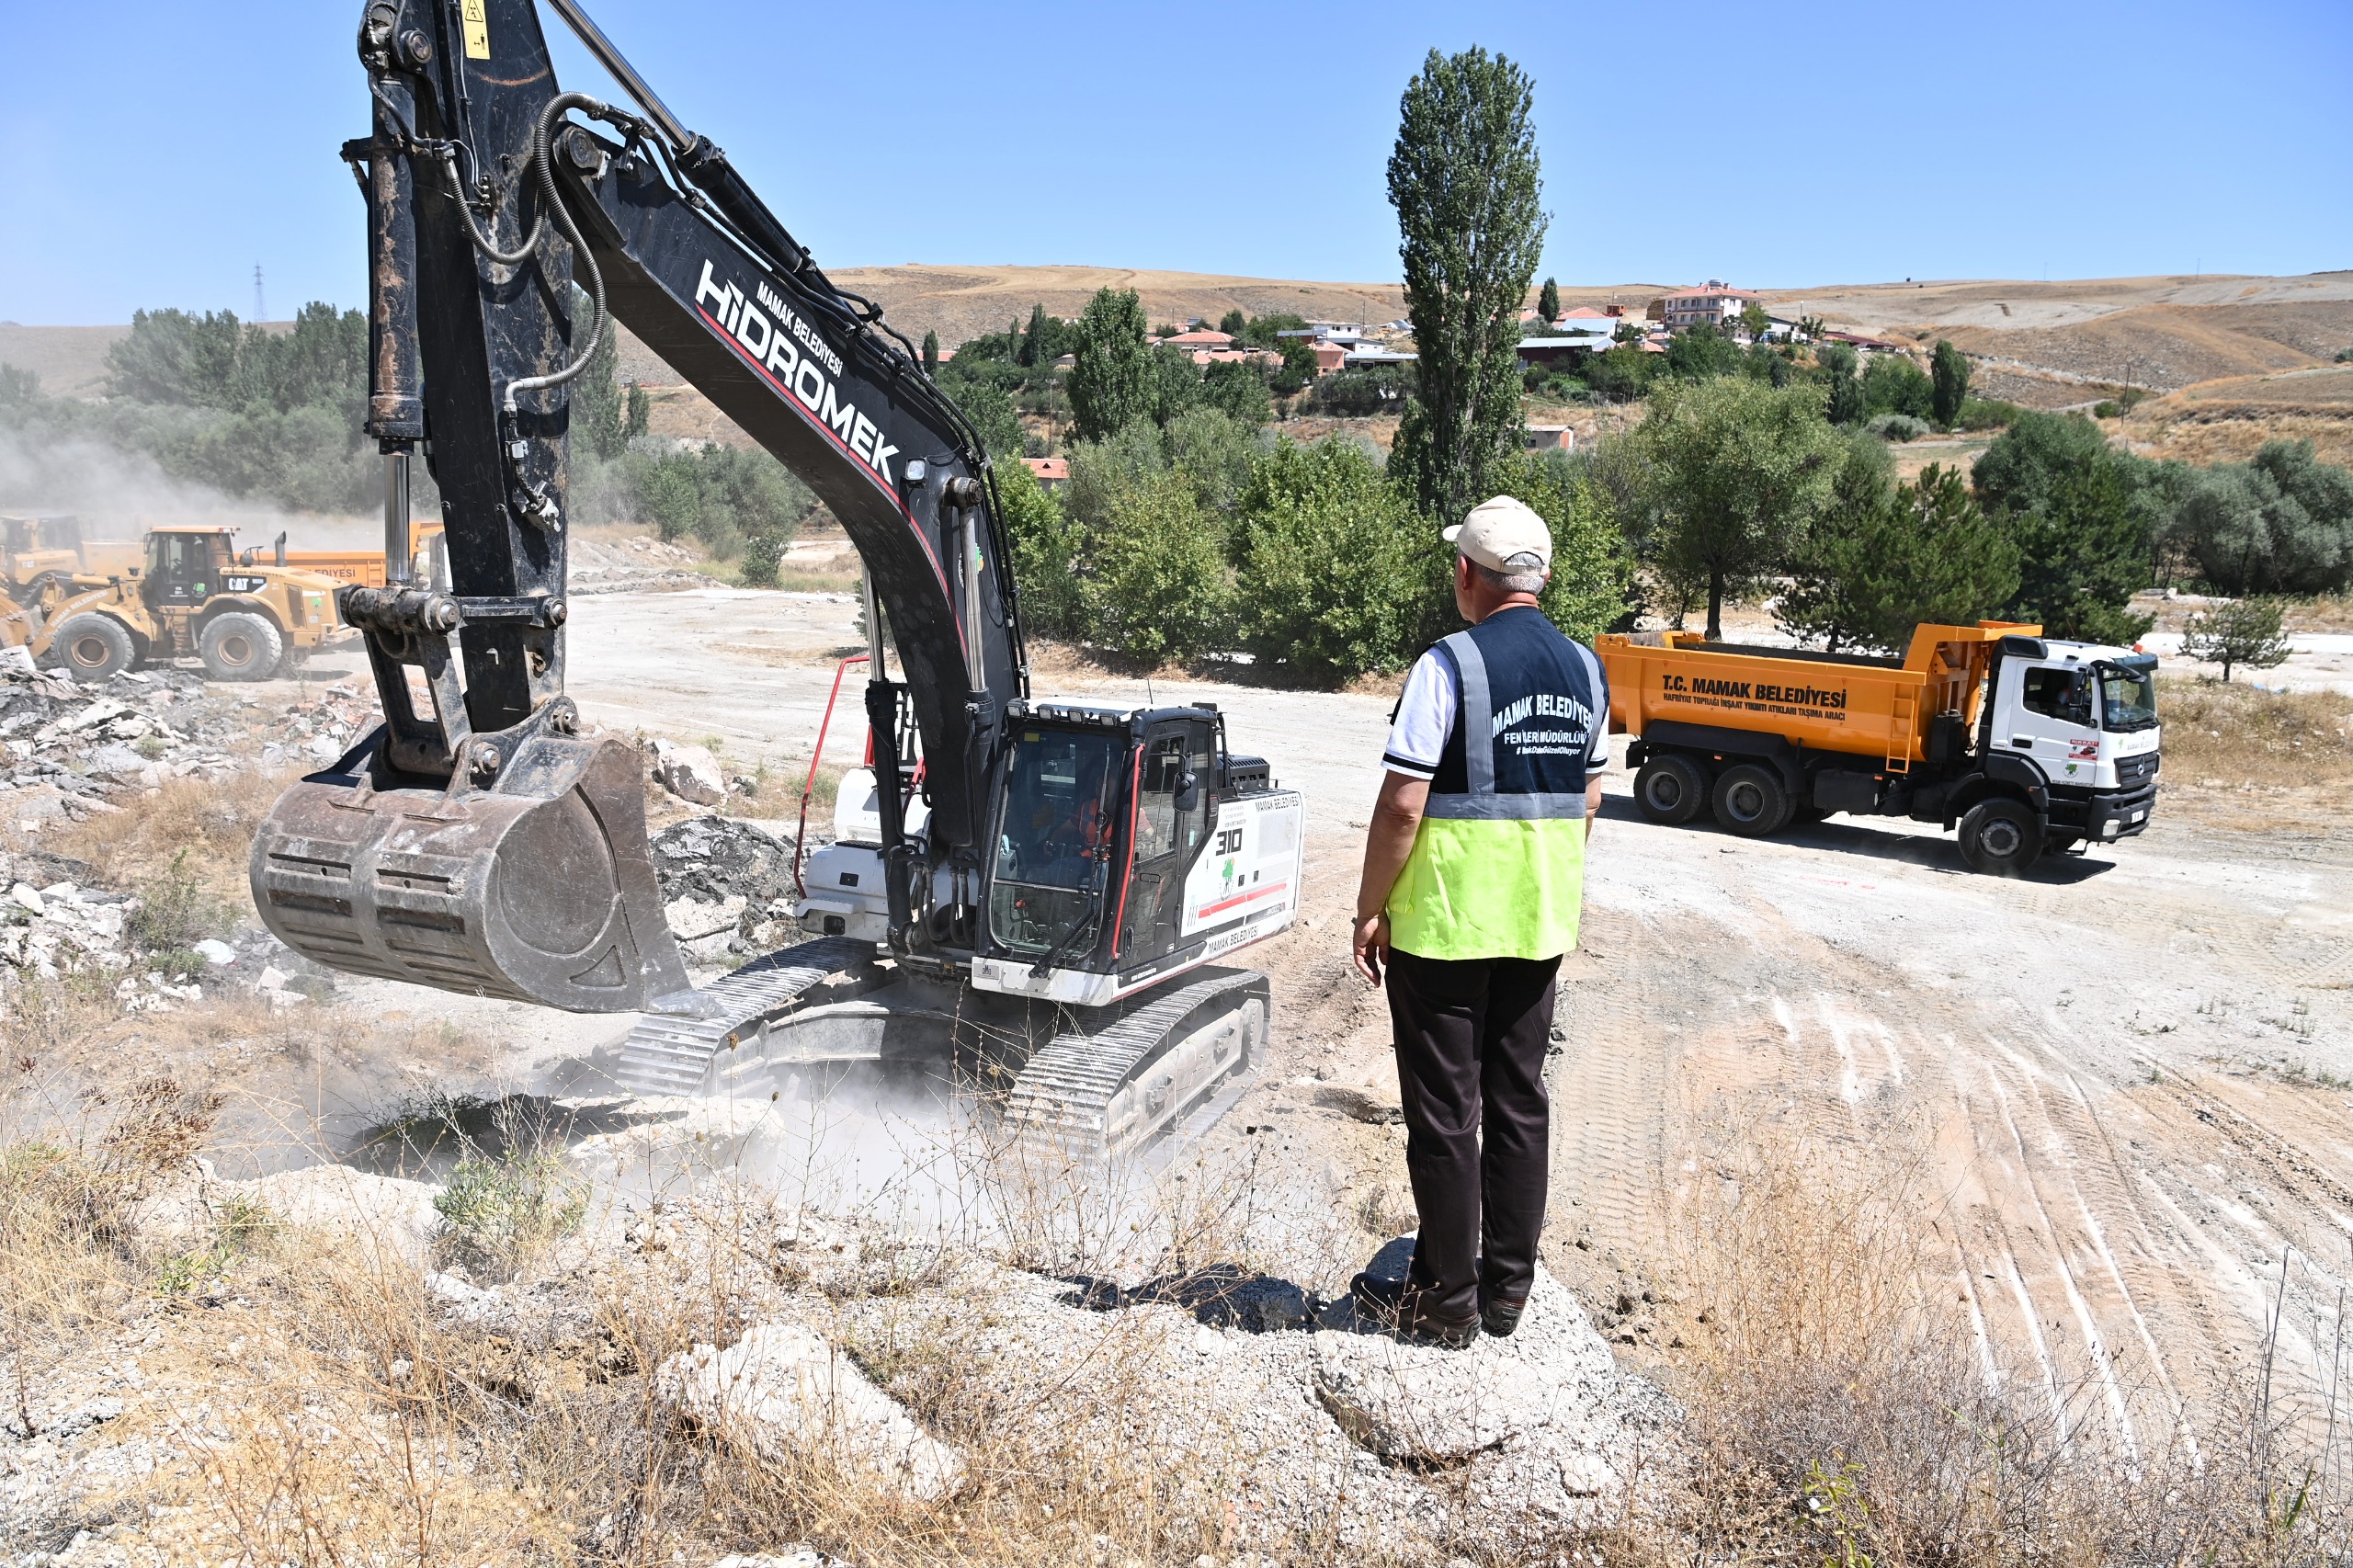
(151, 154)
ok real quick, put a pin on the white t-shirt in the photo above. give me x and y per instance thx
(1425, 717)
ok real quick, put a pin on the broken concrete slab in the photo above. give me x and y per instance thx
(785, 1391)
(691, 773)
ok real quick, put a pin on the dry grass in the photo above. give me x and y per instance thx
(2232, 735)
(204, 825)
(1839, 1409)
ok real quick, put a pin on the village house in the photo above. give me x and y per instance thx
(1714, 304)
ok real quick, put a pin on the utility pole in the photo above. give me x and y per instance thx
(260, 313)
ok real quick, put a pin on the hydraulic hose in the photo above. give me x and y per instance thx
(552, 201)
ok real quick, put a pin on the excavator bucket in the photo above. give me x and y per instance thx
(537, 887)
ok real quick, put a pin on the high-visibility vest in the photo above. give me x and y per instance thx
(1498, 868)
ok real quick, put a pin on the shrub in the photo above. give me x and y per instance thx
(1985, 414)
(1898, 428)
(1327, 572)
(719, 495)
(1894, 384)
(762, 555)
(1046, 545)
(1157, 588)
(1356, 393)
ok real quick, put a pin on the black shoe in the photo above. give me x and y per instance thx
(1396, 1306)
(1500, 1314)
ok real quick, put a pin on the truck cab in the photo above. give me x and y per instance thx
(2075, 724)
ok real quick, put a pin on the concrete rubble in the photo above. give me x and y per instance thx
(726, 888)
(636, 565)
(785, 1391)
(691, 773)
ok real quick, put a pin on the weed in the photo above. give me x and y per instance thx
(505, 1211)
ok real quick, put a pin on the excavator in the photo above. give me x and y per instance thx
(1025, 895)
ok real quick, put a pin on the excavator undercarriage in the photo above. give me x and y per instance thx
(1025, 896)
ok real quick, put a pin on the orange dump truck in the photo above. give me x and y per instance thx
(365, 568)
(2030, 744)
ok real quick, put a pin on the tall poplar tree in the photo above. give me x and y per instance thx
(1465, 183)
(1548, 302)
(1112, 380)
(1948, 368)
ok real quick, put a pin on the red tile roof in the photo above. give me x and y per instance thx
(1048, 468)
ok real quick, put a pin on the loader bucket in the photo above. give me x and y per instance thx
(536, 888)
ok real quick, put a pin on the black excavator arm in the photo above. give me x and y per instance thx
(476, 842)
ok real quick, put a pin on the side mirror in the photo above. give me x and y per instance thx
(1189, 793)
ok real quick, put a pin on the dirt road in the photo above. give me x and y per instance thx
(2124, 1086)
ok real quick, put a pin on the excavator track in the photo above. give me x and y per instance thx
(1125, 1076)
(671, 1053)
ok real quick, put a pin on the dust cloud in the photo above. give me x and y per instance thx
(119, 495)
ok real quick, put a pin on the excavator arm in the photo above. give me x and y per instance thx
(476, 841)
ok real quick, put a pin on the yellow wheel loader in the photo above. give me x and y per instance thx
(197, 597)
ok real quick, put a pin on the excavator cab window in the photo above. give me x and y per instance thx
(1173, 810)
(1054, 839)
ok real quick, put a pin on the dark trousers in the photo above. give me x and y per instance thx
(1470, 1040)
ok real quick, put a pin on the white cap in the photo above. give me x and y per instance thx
(1503, 535)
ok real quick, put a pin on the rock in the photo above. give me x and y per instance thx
(783, 1390)
(1549, 1387)
(691, 773)
(216, 951)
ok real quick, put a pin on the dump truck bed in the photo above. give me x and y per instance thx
(1877, 708)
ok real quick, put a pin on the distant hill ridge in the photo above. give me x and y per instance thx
(2034, 338)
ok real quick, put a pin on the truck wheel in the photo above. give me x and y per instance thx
(1670, 791)
(2001, 838)
(238, 646)
(1752, 801)
(92, 647)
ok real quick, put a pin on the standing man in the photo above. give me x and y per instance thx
(1473, 874)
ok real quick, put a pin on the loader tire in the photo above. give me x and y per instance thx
(238, 646)
(2001, 836)
(1670, 791)
(1752, 801)
(92, 647)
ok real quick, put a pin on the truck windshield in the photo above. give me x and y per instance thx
(1053, 847)
(2128, 692)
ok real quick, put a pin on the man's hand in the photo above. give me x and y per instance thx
(1369, 945)
(1388, 841)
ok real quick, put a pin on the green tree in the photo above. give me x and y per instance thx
(1740, 469)
(1265, 332)
(1949, 369)
(1548, 302)
(1894, 384)
(1172, 384)
(987, 406)
(1213, 450)
(1701, 352)
(601, 410)
(1046, 545)
(1238, 390)
(2280, 524)
(1327, 577)
(1299, 368)
(2246, 631)
(1157, 585)
(2082, 557)
(1876, 562)
(1754, 321)
(1233, 324)
(931, 354)
(1622, 374)
(2084, 518)
(1591, 589)
(1035, 349)
(1464, 180)
(1112, 382)
(1846, 403)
